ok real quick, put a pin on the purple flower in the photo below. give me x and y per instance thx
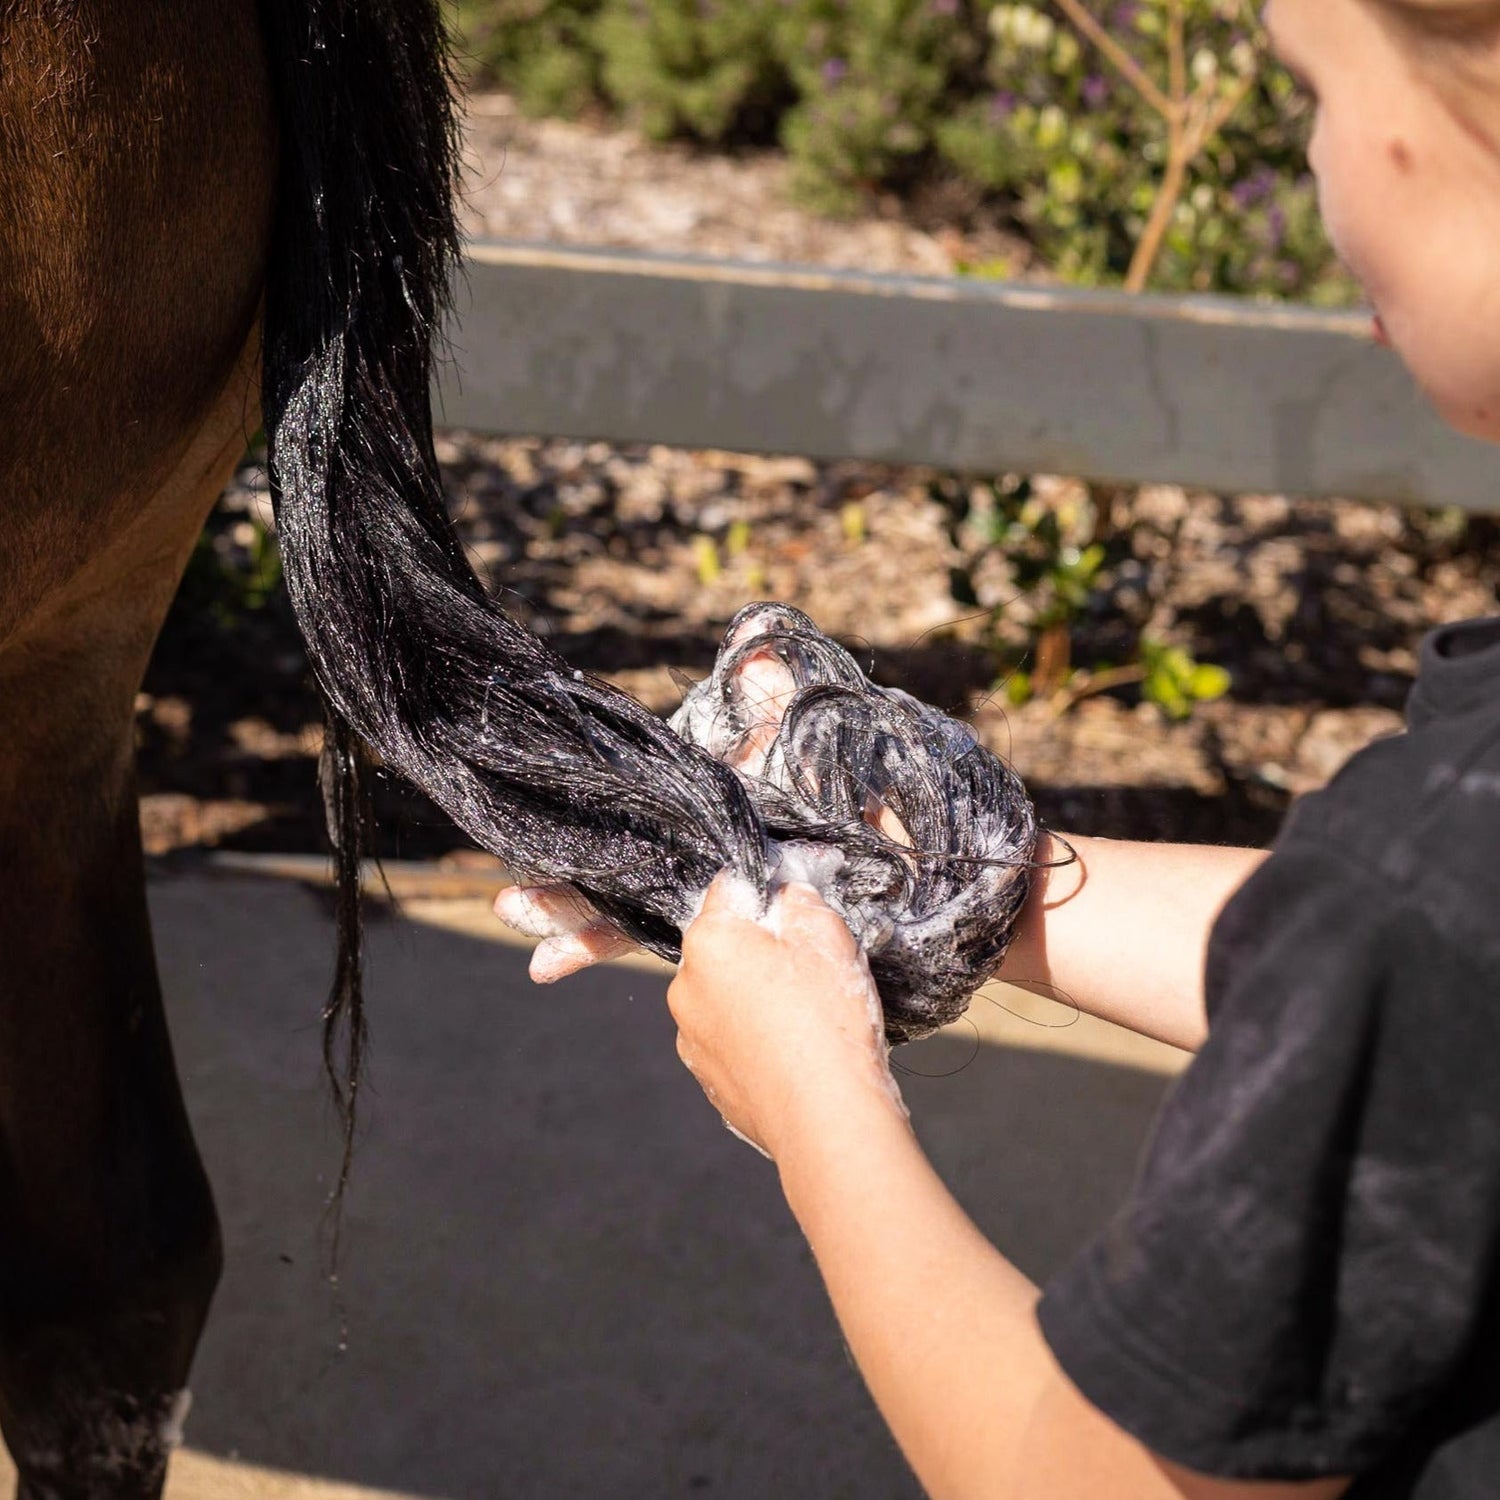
(1276, 223)
(1095, 91)
(1002, 105)
(1255, 188)
(834, 70)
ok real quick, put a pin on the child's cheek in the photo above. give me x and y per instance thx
(1343, 190)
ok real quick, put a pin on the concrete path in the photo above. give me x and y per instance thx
(561, 1276)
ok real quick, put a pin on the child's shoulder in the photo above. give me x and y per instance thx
(1417, 815)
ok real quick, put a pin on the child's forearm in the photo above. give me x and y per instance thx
(943, 1329)
(1123, 933)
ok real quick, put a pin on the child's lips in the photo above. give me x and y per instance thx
(1377, 326)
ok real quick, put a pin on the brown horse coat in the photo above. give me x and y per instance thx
(137, 162)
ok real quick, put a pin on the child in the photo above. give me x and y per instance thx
(1302, 1297)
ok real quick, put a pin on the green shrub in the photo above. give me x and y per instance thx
(1175, 682)
(1079, 150)
(544, 51)
(1012, 101)
(874, 80)
(706, 69)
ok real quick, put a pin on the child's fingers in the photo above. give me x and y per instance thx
(802, 916)
(767, 687)
(798, 911)
(557, 957)
(730, 895)
(572, 932)
(544, 911)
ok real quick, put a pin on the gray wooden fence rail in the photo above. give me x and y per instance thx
(962, 374)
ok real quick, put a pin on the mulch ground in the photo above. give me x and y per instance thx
(632, 560)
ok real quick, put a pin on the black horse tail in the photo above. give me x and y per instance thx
(555, 771)
(363, 251)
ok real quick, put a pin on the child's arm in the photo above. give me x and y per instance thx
(1123, 932)
(777, 1026)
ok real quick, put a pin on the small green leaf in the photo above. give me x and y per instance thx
(706, 560)
(854, 521)
(1168, 697)
(737, 541)
(1206, 682)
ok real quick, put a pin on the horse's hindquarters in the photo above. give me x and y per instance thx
(136, 181)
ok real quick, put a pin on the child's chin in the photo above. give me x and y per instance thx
(1468, 417)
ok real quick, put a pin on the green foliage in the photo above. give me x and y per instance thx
(544, 50)
(876, 95)
(1050, 563)
(1061, 564)
(737, 539)
(1055, 562)
(874, 80)
(1081, 152)
(854, 522)
(707, 69)
(706, 562)
(1173, 681)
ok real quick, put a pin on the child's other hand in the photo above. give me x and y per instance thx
(573, 934)
(780, 1023)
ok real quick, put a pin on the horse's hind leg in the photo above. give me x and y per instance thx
(109, 1249)
(109, 1245)
(135, 182)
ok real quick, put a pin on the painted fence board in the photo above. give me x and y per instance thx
(957, 373)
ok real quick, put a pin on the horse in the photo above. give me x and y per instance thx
(219, 214)
(213, 214)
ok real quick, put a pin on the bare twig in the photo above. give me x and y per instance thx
(1128, 67)
(1193, 117)
(1204, 115)
(1087, 684)
(1177, 85)
(1218, 116)
(1168, 195)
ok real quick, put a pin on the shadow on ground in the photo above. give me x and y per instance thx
(561, 1276)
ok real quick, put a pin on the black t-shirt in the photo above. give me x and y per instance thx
(1306, 1279)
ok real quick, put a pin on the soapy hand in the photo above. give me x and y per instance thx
(778, 1018)
(573, 934)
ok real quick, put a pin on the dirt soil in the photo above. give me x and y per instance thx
(632, 560)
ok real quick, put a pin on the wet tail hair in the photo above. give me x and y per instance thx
(412, 660)
(560, 774)
(364, 246)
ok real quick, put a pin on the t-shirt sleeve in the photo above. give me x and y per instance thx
(1308, 1257)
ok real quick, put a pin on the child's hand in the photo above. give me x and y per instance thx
(573, 934)
(780, 1023)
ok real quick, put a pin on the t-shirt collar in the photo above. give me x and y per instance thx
(1460, 671)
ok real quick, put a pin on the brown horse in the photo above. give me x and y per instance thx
(165, 209)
